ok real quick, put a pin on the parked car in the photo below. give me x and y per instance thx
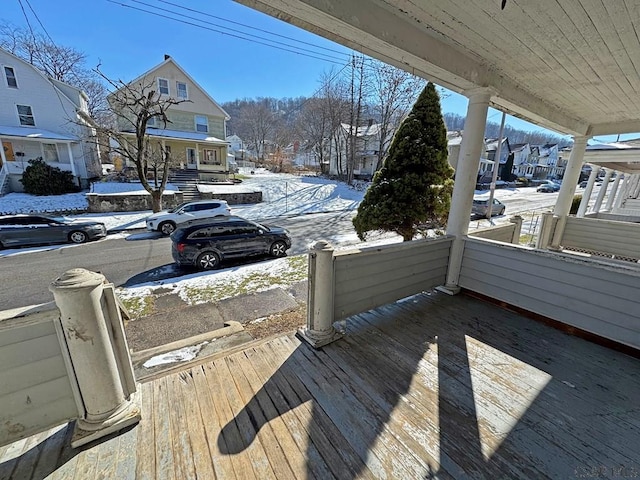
(583, 184)
(481, 206)
(548, 186)
(166, 222)
(205, 246)
(25, 230)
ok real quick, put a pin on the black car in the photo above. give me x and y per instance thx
(204, 246)
(26, 230)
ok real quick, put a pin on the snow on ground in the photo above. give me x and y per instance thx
(183, 355)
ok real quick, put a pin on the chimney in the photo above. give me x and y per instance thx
(167, 57)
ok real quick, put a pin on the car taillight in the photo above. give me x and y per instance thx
(180, 247)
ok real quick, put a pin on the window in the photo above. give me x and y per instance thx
(152, 122)
(202, 124)
(163, 86)
(10, 75)
(211, 157)
(25, 115)
(181, 87)
(49, 152)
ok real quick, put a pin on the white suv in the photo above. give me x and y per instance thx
(166, 222)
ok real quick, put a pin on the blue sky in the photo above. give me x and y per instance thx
(127, 42)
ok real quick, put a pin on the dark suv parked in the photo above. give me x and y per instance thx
(205, 245)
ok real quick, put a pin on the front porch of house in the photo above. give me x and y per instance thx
(435, 386)
(20, 144)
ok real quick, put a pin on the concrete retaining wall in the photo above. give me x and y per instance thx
(239, 198)
(101, 203)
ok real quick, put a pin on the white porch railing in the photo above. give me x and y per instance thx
(613, 239)
(509, 233)
(4, 177)
(344, 283)
(594, 296)
(64, 363)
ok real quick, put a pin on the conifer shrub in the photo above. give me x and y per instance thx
(40, 178)
(412, 191)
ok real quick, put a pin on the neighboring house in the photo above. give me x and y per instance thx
(521, 153)
(367, 143)
(39, 118)
(196, 132)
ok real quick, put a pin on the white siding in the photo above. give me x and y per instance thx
(368, 278)
(595, 297)
(52, 110)
(36, 391)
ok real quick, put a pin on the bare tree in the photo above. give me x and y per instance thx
(65, 64)
(133, 105)
(393, 93)
(255, 124)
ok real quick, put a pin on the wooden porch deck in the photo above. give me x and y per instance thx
(433, 387)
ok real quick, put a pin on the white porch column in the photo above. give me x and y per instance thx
(584, 203)
(465, 182)
(623, 191)
(603, 189)
(319, 330)
(98, 354)
(571, 177)
(614, 191)
(73, 167)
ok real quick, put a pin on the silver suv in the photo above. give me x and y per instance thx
(166, 222)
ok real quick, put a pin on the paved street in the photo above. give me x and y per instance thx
(142, 257)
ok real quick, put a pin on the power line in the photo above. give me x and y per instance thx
(329, 59)
(251, 27)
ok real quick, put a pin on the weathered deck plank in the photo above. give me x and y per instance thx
(436, 387)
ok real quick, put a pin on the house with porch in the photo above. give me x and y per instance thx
(42, 118)
(195, 134)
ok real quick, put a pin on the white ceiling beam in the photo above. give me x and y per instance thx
(367, 27)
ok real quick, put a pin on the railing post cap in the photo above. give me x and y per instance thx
(321, 245)
(77, 278)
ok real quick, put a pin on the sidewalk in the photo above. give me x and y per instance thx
(176, 332)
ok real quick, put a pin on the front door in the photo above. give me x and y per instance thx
(192, 160)
(8, 152)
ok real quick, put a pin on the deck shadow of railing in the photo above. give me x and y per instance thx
(369, 400)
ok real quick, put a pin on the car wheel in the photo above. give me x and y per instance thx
(78, 237)
(207, 261)
(278, 249)
(166, 228)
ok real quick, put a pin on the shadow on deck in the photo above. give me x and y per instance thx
(431, 387)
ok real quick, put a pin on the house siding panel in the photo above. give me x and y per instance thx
(595, 297)
(36, 390)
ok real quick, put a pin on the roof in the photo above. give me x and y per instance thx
(169, 59)
(178, 135)
(34, 134)
(617, 156)
(568, 66)
(365, 130)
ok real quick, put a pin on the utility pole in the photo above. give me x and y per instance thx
(496, 166)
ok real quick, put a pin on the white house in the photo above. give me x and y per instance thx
(367, 144)
(39, 119)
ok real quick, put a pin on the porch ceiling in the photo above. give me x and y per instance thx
(620, 158)
(570, 65)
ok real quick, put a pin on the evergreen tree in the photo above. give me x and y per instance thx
(413, 188)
